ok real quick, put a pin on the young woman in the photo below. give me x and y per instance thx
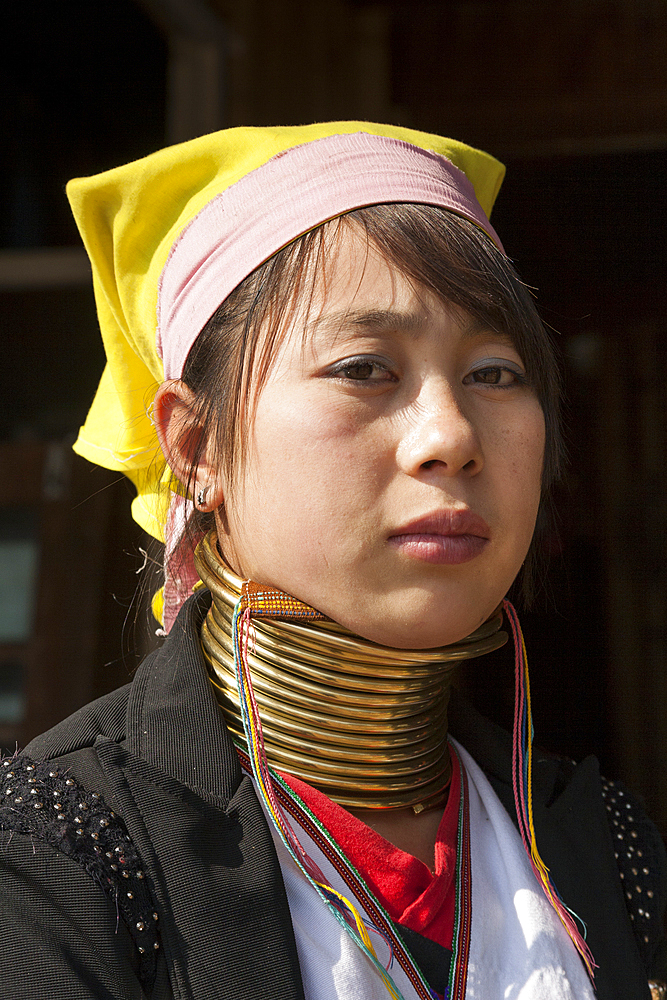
(323, 374)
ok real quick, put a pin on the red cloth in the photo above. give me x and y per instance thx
(409, 892)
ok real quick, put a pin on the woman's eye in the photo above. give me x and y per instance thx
(500, 375)
(361, 370)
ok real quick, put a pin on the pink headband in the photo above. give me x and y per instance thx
(292, 193)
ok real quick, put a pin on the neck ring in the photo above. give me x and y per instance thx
(362, 722)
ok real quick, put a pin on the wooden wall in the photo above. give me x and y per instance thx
(513, 75)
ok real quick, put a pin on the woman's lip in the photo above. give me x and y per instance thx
(449, 550)
(444, 537)
(447, 523)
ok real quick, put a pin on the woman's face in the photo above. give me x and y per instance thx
(392, 477)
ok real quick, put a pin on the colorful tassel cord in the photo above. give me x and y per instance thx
(522, 762)
(344, 911)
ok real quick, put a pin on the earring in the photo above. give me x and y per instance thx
(201, 496)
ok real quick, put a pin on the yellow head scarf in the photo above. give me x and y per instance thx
(131, 218)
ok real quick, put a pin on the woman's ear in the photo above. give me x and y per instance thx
(184, 445)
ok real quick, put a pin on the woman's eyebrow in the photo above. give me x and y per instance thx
(369, 320)
(388, 321)
(478, 328)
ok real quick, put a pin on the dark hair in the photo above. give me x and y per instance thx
(443, 252)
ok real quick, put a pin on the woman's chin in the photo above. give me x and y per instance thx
(417, 638)
(418, 631)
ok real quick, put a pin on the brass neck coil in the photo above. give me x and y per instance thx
(364, 723)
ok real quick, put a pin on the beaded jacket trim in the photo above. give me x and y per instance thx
(638, 866)
(44, 801)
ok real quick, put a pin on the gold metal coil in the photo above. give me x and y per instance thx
(430, 797)
(364, 723)
(373, 756)
(298, 736)
(388, 776)
(324, 700)
(359, 794)
(409, 728)
(269, 675)
(300, 725)
(324, 669)
(379, 750)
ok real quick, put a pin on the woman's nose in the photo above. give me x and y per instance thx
(440, 435)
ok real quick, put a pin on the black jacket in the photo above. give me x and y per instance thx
(136, 862)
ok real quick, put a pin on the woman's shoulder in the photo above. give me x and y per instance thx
(72, 889)
(103, 717)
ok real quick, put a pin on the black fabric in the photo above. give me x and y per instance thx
(158, 755)
(60, 935)
(44, 801)
(433, 960)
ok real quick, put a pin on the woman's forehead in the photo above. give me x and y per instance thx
(356, 288)
(354, 281)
